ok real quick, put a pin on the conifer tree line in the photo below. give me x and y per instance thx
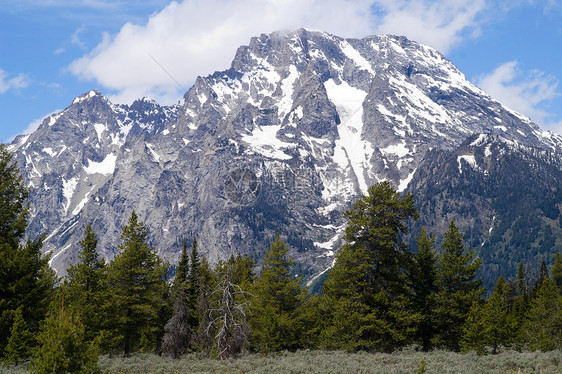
(379, 295)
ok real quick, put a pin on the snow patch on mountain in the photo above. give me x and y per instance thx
(399, 149)
(351, 148)
(49, 151)
(83, 202)
(263, 140)
(405, 182)
(68, 188)
(286, 103)
(153, 153)
(53, 119)
(356, 57)
(100, 128)
(106, 167)
(470, 159)
(84, 97)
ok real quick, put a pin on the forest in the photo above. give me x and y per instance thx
(379, 295)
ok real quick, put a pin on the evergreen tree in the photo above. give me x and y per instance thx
(520, 304)
(193, 280)
(458, 288)
(182, 271)
(26, 281)
(137, 278)
(556, 273)
(13, 206)
(473, 331)
(86, 285)
(375, 224)
(543, 327)
(543, 274)
(423, 278)
(274, 312)
(201, 319)
(19, 344)
(312, 316)
(63, 347)
(521, 282)
(366, 288)
(240, 268)
(180, 328)
(522, 286)
(498, 321)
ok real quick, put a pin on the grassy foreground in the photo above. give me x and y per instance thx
(406, 361)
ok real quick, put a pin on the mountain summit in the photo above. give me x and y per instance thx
(283, 141)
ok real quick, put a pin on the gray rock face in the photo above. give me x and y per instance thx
(283, 141)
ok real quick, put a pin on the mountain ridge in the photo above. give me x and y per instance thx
(313, 118)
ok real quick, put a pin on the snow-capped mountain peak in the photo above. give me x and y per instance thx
(303, 119)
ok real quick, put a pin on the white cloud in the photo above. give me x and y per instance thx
(33, 125)
(527, 92)
(197, 37)
(17, 82)
(74, 39)
(440, 24)
(24, 5)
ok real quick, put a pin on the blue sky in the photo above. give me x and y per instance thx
(54, 50)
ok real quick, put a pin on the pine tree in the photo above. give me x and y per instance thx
(182, 271)
(240, 268)
(473, 331)
(274, 312)
(375, 224)
(520, 304)
(20, 342)
(543, 327)
(137, 278)
(521, 281)
(499, 323)
(63, 347)
(458, 288)
(179, 329)
(86, 285)
(201, 319)
(556, 272)
(198, 292)
(13, 206)
(193, 279)
(366, 288)
(543, 274)
(423, 277)
(26, 281)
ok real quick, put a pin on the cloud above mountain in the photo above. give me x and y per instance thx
(524, 91)
(162, 58)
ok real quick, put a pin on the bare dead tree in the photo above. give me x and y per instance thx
(178, 332)
(228, 321)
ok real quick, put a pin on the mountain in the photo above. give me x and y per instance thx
(283, 141)
(504, 195)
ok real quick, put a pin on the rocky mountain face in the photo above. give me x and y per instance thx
(283, 141)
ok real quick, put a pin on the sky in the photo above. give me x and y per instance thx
(54, 50)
